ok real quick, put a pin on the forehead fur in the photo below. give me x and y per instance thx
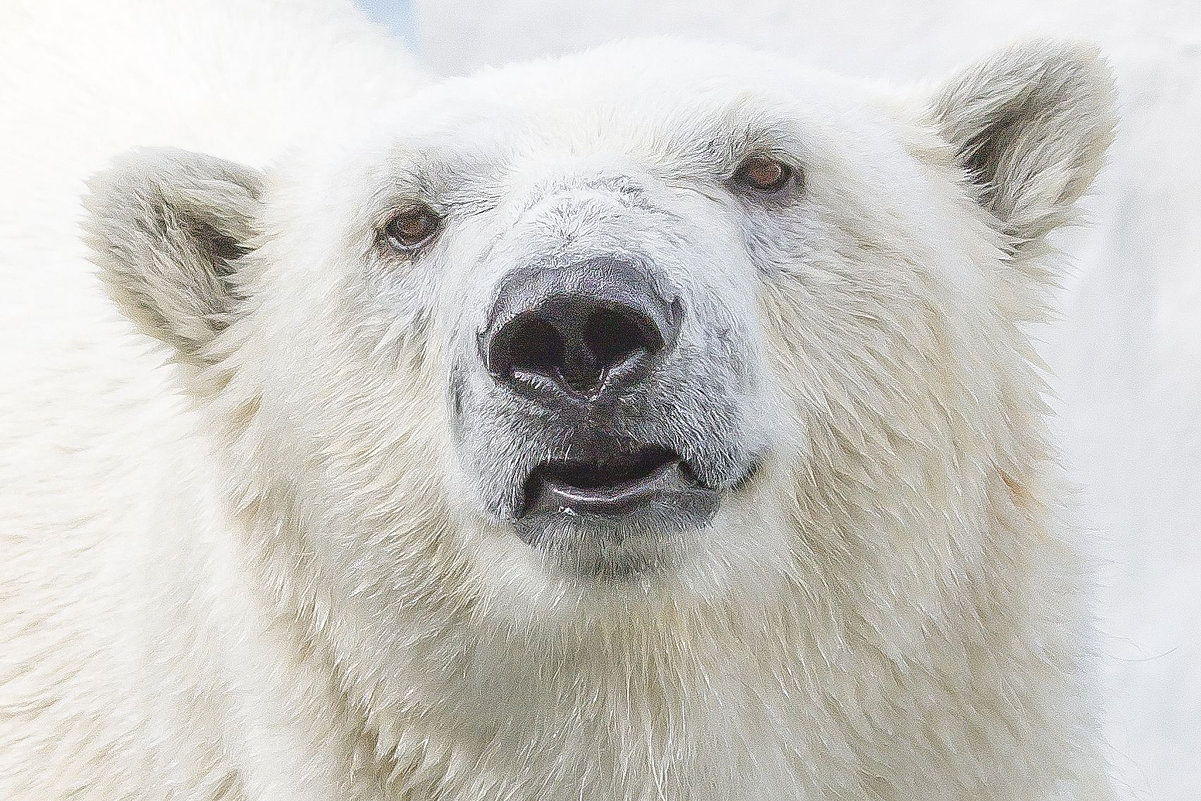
(662, 109)
(666, 101)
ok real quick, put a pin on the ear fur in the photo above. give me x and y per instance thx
(1030, 125)
(166, 227)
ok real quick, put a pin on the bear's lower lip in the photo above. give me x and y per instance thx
(610, 484)
(617, 511)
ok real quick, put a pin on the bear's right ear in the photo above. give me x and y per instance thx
(167, 228)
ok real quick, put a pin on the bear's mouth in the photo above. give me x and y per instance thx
(606, 482)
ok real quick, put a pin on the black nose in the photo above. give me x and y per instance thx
(582, 331)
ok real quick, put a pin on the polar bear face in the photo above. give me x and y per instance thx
(657, 321)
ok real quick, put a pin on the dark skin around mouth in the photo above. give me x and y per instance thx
(607, 484)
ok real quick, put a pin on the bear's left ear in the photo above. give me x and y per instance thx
(1030, 125)
(167, 228)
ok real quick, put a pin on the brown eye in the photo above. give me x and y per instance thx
(412, 227)
(763, 174)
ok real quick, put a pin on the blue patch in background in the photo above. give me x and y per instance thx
(397, 15)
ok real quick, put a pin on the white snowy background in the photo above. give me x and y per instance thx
(1127, 351)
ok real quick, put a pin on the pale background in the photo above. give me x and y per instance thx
(1127, 353)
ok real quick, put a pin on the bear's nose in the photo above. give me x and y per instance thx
(580, 331)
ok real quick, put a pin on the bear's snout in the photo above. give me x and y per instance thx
(572, 335)
(593, 412)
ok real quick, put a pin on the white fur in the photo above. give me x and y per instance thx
(262, 573)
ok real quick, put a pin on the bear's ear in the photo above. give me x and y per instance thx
(167, 228)
(1030, 125)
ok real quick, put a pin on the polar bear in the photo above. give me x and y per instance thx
(656, 422)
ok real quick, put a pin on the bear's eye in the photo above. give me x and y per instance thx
(763, 174)
(412, 227)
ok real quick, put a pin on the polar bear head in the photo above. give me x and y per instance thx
(652, 325)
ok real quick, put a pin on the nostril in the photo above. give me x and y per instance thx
(528, 343)
(611, 335)
(537, 345)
